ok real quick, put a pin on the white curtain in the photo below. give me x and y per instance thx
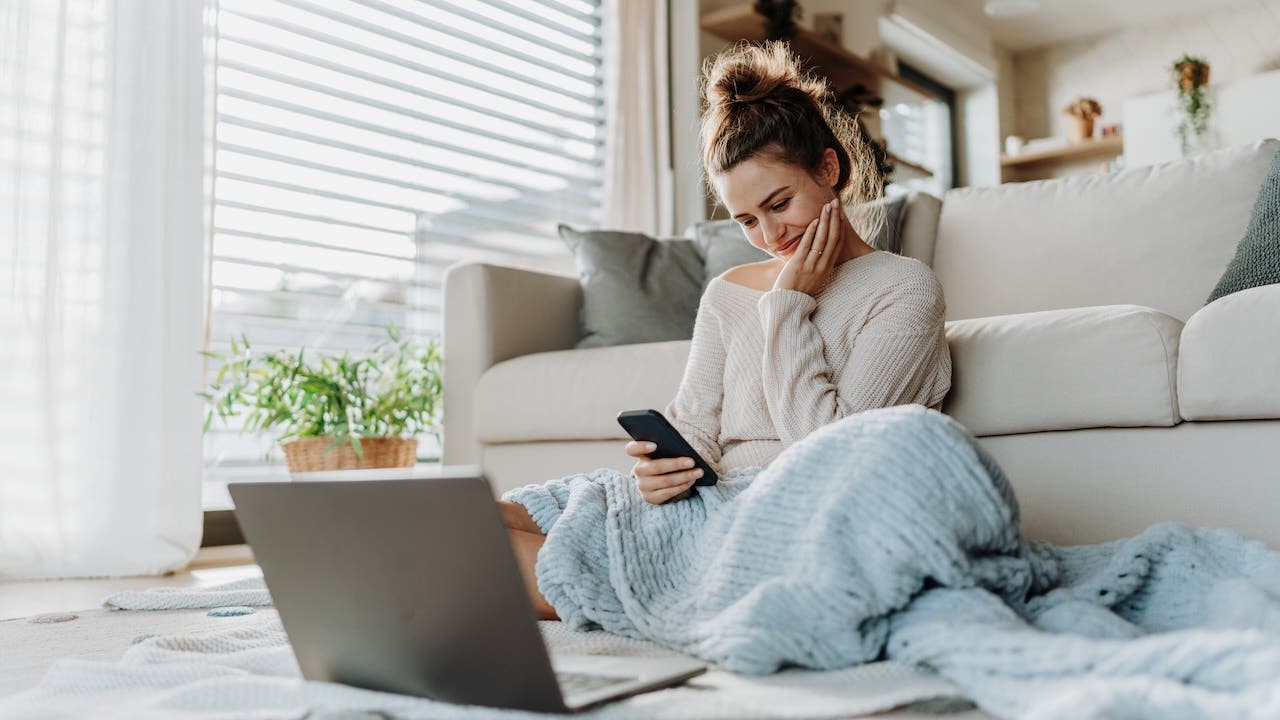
(101, 275)
(638, 192)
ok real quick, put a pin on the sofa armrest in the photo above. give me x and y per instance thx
(494, 313)
(1230, 365)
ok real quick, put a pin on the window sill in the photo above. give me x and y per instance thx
(220, 526)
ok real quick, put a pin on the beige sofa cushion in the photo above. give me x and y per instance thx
(1111, 366)
(1156, 236)
(576, 394)
(1230, 358)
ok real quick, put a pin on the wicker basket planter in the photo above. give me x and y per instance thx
(311, 454)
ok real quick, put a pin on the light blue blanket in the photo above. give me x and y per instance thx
(892, 533)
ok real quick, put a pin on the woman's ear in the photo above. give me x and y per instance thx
(829, 170)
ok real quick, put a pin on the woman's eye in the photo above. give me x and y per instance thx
(779, 207)
(748, 223)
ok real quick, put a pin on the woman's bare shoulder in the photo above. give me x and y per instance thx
(757, 275)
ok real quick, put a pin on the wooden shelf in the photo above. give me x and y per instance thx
(842, 68)
(1079, 151)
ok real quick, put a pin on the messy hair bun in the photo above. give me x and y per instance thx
(757, 100)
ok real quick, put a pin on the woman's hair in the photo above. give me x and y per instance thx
(757, 101)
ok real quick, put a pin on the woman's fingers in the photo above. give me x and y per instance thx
(659, 497)
(832, 242)
(664, 466)
(638, 449)
(659, 484)
(819, 238)
(806, 240)
(661, 488)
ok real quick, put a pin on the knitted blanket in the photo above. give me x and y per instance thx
(893, 533)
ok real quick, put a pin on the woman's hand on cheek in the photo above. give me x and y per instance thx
(807, 269)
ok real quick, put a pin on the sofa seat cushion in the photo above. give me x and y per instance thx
(1230, 358)
(576, 394)
(1108, 366)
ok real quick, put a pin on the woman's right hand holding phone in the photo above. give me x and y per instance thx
(663, 479)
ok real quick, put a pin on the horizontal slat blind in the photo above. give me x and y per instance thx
(363, 146)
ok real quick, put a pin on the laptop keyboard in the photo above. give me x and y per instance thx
(575, 683)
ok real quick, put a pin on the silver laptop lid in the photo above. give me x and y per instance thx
(406, 585)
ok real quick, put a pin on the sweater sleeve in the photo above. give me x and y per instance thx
(897, 356)
(695, 411)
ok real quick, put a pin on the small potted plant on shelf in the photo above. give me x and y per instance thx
(333, 412)
(1191, 74)
(1083, 112)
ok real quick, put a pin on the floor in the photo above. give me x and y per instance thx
(21, 600)
(211, 566)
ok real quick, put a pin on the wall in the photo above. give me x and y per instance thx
(1118, 66)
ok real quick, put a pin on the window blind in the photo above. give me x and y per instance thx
(923, 133)
(363, 146)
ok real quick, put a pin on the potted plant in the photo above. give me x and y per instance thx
(1191, 75)
(333, 412)
(1083, 112)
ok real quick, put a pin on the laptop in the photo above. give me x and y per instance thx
(404, 581)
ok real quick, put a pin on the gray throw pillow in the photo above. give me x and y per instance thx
(1257, 259)
(724, 245)
(635, 288)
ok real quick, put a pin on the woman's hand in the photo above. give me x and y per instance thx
(661, 480)
(815, 258)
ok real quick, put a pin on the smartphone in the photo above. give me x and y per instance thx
(651, 426)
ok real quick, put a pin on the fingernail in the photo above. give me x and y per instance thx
(650, 446)
(697, 473)
(687, 463)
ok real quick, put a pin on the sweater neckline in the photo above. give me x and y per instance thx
(839, 268)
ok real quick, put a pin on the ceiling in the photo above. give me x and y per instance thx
(1062, 20)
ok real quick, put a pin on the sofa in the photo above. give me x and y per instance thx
(1085, 358)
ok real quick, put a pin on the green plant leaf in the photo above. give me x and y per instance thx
(394, 391)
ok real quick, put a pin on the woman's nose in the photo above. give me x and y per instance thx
(773, 231)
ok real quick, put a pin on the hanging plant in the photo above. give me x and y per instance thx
(779, 18)
(1191, 75)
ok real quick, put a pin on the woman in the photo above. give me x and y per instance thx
(825, 328)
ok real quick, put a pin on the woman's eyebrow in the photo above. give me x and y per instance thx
(765, 201)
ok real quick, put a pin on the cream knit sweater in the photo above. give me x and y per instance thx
(767, 368)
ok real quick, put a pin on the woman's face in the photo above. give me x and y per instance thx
(774, 201)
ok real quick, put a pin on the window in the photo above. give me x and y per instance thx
(363, 146)
(923, 134)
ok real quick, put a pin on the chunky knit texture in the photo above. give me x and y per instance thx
(1257, 258)
(767, 368)
(892, 531)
